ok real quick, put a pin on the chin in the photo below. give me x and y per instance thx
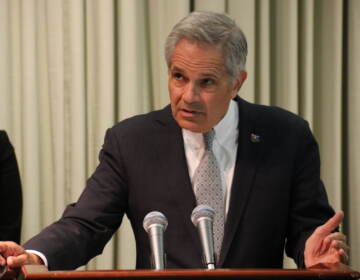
(194, 127)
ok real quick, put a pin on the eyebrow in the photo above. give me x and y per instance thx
(209, 75)
(176, 69)
(203, 75)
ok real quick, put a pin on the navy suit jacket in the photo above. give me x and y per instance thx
(277, 197)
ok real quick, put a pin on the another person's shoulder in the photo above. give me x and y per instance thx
(4, 141)
(6, 149)
(3, 137)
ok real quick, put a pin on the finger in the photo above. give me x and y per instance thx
(344, 257)
(330, 225)
(325, 245)
(3, 247)
(339, 245)
(9, 248)
(2, 260)
(340, 250)
(337, 236)
(17, 261)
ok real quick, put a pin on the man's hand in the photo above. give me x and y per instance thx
(326, 247)
(13, 255)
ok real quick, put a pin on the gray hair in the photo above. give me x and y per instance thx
(212, 29)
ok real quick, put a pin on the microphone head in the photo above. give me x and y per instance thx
(202, 211)
(155, 217)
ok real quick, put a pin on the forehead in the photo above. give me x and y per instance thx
(196, 57)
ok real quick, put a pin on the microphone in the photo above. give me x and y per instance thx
(202, 217)
(155, 224)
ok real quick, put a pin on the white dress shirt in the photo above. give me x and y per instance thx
(224, 147)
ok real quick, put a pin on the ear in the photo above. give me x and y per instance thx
(240, 79)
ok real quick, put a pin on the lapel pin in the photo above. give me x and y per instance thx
(255, 138)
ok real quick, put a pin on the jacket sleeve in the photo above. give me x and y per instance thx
(309, 202)
(10, 192)
(87, 225)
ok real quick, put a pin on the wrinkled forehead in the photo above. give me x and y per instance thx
(188, 47)
(195, 56)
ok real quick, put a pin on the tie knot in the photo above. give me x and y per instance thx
(208, 139)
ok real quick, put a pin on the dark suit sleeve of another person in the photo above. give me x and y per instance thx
(87, 225)
(10, 192)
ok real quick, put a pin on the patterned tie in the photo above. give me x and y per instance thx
(208, 189)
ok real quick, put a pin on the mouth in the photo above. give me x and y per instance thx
(189, 114)
(186, 111)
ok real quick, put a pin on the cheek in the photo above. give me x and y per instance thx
(218, 105)
(175, 94)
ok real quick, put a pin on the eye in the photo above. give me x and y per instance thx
(207, 82)
(178, 76)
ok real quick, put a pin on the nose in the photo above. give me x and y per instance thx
(191, 93)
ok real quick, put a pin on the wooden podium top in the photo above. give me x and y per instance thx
(34, 272)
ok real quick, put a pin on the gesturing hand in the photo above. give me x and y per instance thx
(326, 247)
(13, 255)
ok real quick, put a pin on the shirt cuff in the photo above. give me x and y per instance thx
(40, 255)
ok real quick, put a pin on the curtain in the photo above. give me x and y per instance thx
(70, 69)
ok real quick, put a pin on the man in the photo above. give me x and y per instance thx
(271, 195)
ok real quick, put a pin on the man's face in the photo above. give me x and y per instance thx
(200, 88)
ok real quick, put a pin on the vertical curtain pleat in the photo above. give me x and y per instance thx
(210, 5)
(56, 192)
(133, 60)
(13, 38)
(327, 95)
(100, 74)
(44, 111)
(5, 98)
(306, 58)
(30, 116)
(74, 13)
(244, 13)
(353, 130)
(125, 253)
(284, 49)
(262, 53)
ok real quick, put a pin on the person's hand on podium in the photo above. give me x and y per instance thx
(13, 255)
(325, 246)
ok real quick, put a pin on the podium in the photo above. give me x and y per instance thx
(39, 272)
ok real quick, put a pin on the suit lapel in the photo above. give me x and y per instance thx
(247, 159)
(176, 165)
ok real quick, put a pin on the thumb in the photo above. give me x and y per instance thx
(331, 224)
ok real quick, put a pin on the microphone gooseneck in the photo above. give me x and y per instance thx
(203, 217)
(155, 224)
